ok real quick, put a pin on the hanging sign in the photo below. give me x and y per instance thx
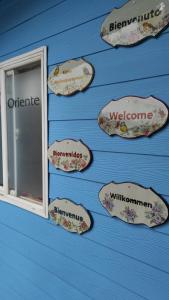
(135, 21)
(72, 217)
(132, 117)
(69, 155)
(134, 204)
(70, 77)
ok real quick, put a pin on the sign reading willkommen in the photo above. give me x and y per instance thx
(135, 21)
(134, 204)
(131, 117)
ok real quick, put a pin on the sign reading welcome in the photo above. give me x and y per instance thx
(134, 204)
(70, 216)
(132, 116)
(135, 21)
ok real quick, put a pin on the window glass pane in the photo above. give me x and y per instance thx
(24, 131)
(1, 169)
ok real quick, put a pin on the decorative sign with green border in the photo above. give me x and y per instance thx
(134, 204)
(135, 21)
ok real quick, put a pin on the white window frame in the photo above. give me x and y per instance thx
(39, 54)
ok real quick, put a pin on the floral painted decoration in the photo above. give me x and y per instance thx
(69, 155)
(70, 77)
(134, 204)
(70, 216)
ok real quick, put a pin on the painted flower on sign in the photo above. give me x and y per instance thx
(108, 202)
(156, 214)
(129, 214)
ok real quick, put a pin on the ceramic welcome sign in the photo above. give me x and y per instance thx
(70, 77)
(72, 217)
(131, 117)
(134, 204)
(69, 155)
(135, 21)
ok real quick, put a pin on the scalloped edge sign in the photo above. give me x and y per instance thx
(71, 77)
(134, 204)
(132, 116)
(69, 155)
(72, 217)
(135, 21)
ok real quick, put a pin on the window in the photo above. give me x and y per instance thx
(23, 132)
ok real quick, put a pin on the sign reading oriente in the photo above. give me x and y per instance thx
(134, 204)
(135, 21)
(23, 102)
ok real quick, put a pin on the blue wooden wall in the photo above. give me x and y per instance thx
(115, 260)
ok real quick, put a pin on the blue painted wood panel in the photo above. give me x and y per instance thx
(114, 259)
(121, 167)
(123, 266)
(24, 12)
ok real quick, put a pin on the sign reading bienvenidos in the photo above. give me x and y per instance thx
(70, 77)
(134, 204)
(135, 21)
(69, 155)
(131, 117)
(70, 216)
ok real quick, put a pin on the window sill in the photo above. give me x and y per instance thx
(33, 207)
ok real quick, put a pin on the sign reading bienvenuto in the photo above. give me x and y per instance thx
(135, 21)
(131, 117)
(72, 217)
(134, 204)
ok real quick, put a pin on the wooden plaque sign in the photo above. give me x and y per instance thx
(70, 216)
(69, 155)
(71, 77)
(132, 117)
(135, 21)
(134, 204)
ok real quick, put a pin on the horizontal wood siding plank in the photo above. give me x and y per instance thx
(18, 283)
(24, 12)
(7, 293)
(125, 64)
(88, 104)
(144, 170)
(60, 266)
(53, 23)
(89, 192)
(97, 140)
(115, 265)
